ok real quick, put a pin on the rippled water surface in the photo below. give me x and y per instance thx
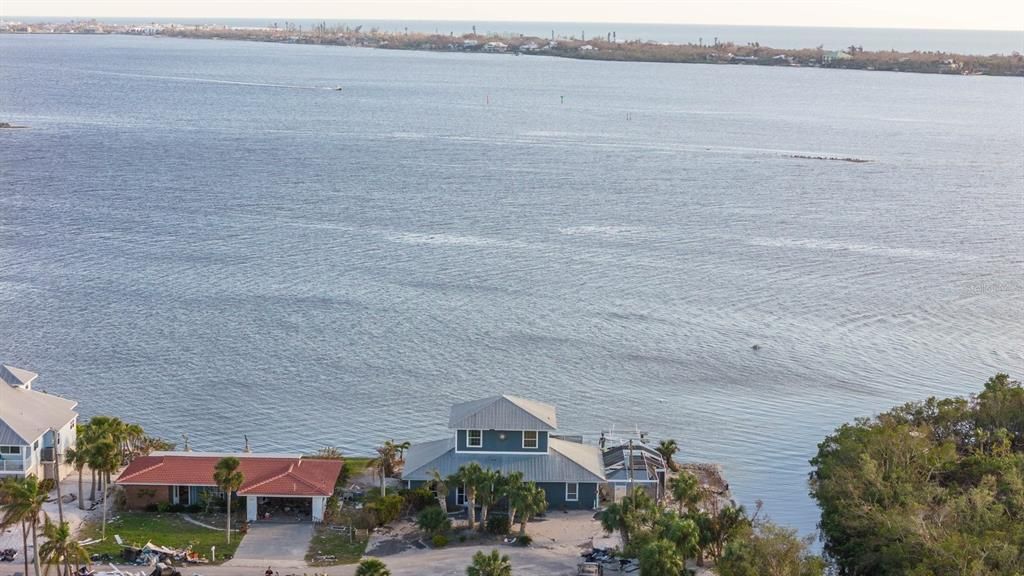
(205, 237)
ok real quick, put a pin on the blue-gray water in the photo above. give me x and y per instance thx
(203, 237)
(788, 37)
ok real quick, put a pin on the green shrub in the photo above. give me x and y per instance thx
(162, 507)
(386, 509)
(152, 507)
(47, 485)
(419, 499)
(176, 508)
(439, 541)
(433, 520)
(525, 540)
(498, 525)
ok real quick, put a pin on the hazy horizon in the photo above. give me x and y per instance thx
(143, 18)
(983, 15)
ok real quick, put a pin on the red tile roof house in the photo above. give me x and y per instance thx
(181, 477)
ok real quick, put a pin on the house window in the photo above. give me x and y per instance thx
(572, 492)
(10, 450)
(474, 438)
(530, 439)
(460, 495)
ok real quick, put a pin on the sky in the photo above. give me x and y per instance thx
(941, 14)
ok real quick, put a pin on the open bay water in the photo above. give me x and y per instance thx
(205, 238)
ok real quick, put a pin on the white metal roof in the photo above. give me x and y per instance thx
(503, 412)
(26, 414)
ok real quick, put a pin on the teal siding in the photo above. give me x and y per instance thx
(554, 491)
(493, 442)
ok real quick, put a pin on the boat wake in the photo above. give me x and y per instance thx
(213, 81)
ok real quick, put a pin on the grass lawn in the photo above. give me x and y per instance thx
(356, 464)
(164, 529)
(327, 542)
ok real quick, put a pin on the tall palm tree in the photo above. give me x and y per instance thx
(668, 449)
(105, 459)
(686, 490)
(229, 479)
(510, 489)
(488, 490)
(372, 567)
(78, 457)
(385, 463)
(61, 549)
(402, 447)
(438, 484)
(23, 502)
(469, 477)
(633, 514)
(530, 501)
(493, 564)
(13, 514)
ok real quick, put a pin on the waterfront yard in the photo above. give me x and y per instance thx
(330, 546)
(164, 529)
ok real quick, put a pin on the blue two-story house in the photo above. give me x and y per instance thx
(509, 434)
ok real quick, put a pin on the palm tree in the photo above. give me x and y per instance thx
(23, 502)
(229, 479)
(61, 549)
(385, 463)
(493, 564)
(681, 532)
(105, 459)
(686, 490)
(660, 558)
(488, 491)
(510, 488)
(633, 514)
(530, 501)
(469, 476)
(372, 567)
(78, 457)
(668, 449)
(440, 487)
(14, 513)
(402, 448)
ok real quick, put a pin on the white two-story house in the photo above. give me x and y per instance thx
(32, 425)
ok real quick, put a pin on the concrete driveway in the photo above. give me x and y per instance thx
(273, 544)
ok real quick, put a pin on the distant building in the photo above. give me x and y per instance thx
(511, 434)
(833, 55)
(495, 47)
(587, 48)
(32, 425)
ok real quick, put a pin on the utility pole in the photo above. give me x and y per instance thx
(56, 474)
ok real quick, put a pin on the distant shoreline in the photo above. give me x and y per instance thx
(606, 48)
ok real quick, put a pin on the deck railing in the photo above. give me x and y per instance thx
(12, 465)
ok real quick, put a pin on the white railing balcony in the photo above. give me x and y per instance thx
(12, 465)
